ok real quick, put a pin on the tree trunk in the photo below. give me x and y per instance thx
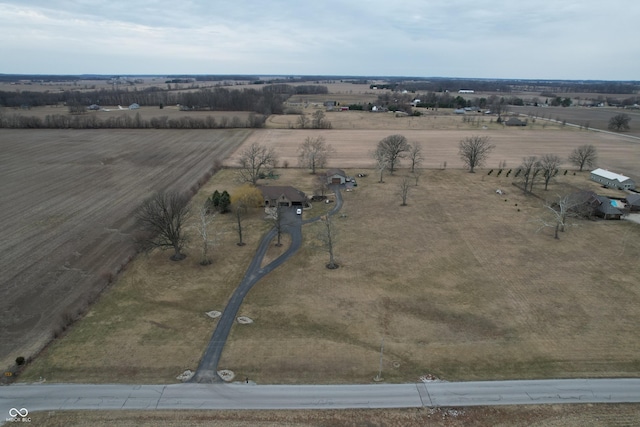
(239, 217)
(557, 228)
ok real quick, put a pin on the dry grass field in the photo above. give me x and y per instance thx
(459, 283)
(441, 145)
(146, 113)
(529, 416)
(68, 198)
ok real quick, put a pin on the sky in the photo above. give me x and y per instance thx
(514, 39)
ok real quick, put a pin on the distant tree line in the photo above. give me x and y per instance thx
(92, 121)
(506, 86)
(266, 100)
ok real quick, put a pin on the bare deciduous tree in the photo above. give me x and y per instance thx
(416, 156)
(394, 148)
(254, 160)
(572, 205)
(242, 200)
(277, 220)
(327, 237)
(303, 121)
(416, 176)
(474, 151)
(320, 184)
(549, 164)
(404, 189)
(382, 162)
(314, 153)
(161, 219)
(584, 155)
(203, 229)
(619, 122)
(530, 169)
(319, 121)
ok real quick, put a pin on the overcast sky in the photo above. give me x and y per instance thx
(546, 39)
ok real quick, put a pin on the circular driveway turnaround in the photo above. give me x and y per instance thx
(242, 396)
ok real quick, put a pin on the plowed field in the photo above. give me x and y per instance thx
(67, 203)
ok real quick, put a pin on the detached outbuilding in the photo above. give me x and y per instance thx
(336, 176)
(514, 121)
(612, 179)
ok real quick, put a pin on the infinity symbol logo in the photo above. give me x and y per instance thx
(22, 412)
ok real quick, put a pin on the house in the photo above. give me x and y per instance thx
(336, 176)
(633, 202)
(134, 106)
(604, 208)
(611, 179)
(282, 195)
(459, 111)
(514, 121)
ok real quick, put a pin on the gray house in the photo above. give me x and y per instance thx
(603, 208)
(612, 179)
(278, 195)
(336, 176)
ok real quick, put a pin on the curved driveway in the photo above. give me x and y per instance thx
(292, 225)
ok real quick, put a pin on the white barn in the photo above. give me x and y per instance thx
(612, 179)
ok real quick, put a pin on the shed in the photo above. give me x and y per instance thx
(612, 179)
(336, 176)
(282, 195)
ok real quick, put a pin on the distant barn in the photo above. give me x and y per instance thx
(612, 179)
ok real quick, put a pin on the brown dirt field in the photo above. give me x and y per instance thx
(597, 118)
(353, 146)
(67, 217)
(529, 416)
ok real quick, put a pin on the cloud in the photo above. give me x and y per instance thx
(535, 39)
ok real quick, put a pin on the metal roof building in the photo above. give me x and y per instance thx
(612, 179)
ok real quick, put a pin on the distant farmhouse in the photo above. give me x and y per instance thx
(513, 121)
(613, 180)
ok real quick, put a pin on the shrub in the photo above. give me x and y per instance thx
(20, 360)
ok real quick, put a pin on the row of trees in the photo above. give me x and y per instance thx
(125, 121)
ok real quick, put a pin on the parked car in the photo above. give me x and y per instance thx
(299, 211)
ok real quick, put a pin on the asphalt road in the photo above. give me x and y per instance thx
(48, 397)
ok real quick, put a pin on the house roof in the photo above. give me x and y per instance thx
(633, 199)
(610, 175)
(273, 192)
(606, 207)
(336, 172)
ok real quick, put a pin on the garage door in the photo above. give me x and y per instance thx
(335, 180)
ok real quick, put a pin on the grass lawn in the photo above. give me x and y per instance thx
(459, 283)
